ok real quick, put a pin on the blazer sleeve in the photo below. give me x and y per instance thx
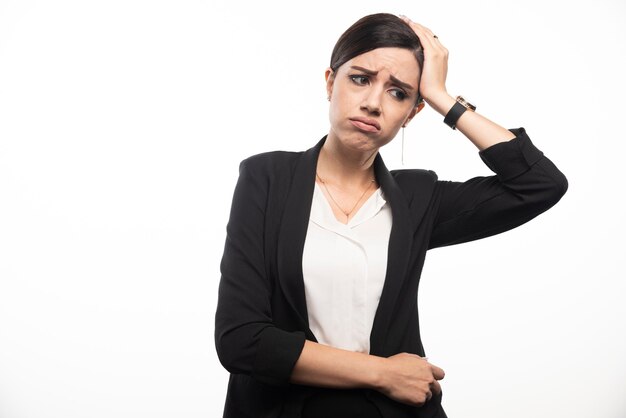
(246, 339)
(526, 183)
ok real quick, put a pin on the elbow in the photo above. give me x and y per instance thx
(550, 194)
(554, 182)
(558, 188)
(231, 353)
(267, 354)
(222, 354)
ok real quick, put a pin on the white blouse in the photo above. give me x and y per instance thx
(344, 268)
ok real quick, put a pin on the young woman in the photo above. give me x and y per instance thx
(317, 312)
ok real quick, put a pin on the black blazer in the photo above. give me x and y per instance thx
(261, 320)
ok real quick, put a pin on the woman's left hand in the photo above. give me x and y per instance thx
(435, 69)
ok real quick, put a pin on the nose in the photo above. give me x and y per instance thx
(372, 101)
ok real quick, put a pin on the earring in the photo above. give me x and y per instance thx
(328, 98)
(402, 158)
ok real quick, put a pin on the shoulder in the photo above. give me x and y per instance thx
(271, 161)
(415, 182)
(410, 176)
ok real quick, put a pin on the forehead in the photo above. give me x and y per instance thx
(399, 62)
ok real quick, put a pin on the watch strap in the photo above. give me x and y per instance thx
(454, 114)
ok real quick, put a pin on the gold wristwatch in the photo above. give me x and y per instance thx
(457, 110)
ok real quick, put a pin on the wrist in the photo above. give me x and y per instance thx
(441, 102)
(457, 111)
(378, 373)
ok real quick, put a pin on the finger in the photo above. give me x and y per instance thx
(417, 25)
(438, 372)
(429, 395)
(426, 30)
(427, 40)
(428, 35)
(435, 387)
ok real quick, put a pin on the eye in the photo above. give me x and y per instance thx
(399, 94)
(361, 80)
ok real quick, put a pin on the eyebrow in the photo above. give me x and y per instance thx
(394, 79)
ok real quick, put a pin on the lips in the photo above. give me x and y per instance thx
(365, 124)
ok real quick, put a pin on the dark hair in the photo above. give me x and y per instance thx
(380, 30)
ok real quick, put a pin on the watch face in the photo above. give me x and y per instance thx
(465, 103)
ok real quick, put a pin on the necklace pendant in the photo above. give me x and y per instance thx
(337, 204)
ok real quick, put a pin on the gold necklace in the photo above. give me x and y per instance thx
(337, 204)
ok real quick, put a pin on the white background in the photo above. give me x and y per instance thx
(122, 124)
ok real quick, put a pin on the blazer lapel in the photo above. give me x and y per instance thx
(398, 255)
(292, 234)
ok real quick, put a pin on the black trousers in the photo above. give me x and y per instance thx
(339, 403)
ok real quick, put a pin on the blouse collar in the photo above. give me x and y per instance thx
(322, 212)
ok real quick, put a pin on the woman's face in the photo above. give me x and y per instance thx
(372, 96)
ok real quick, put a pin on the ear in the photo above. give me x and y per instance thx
(414, 112)
(330, 79)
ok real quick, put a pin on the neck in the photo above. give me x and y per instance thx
(343, 165)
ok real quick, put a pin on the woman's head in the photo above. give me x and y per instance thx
(373, 82)
(381, 30)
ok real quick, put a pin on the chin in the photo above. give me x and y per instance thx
(359, 141)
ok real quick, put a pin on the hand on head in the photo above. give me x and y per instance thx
(435, 68)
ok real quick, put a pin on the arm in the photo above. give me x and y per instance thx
(525, 185)
(526, 182)
(406, 378)
(246, 339)
(481, 131)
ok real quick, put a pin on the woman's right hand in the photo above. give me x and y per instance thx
(410, 379)
(406, 378)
